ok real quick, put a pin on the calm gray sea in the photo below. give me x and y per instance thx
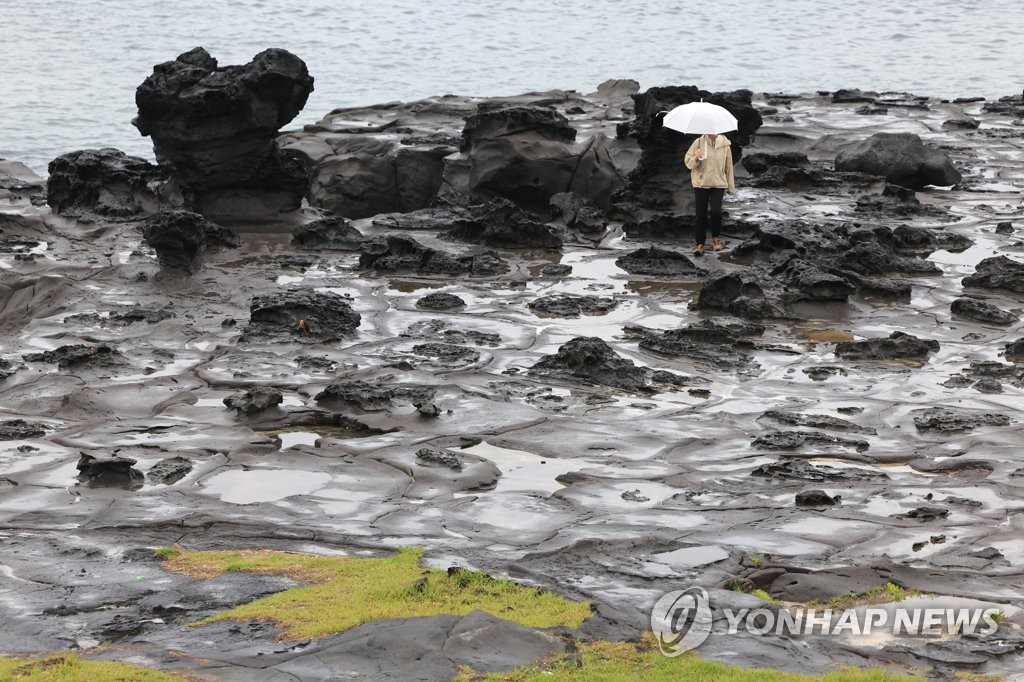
(69, 68)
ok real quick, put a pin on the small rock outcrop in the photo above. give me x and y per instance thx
(901, 158)
(998, 272)
(898, 346)
(981, 311)
(254, 401)
(333, 233)
(180, 238)
(107, 183)
(593, 360)
(301, 314)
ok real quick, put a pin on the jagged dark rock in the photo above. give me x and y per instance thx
(440, 300)
(398, 253)
(794, 440)
(817, 421)
(746, 293)
(502, 224)
(113, 471)
(170, 470)
(79, 356)
(372, 397)
(301, 314)
(577, 212)
(333, 233)
(898, 346)
(107, 183)
(945, 420)
(816, 498)
(591, 359)
(982, 312)
(254, 400)
(659, 262)
(213, 129)
(18, 429)
(180, 237)
(432, 457)
(998, 272)
(707, 341)
(798, 469)
(565, 305)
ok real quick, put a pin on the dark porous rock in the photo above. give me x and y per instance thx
(921, 241)
(254, 400)
(213, 129)
(400, 254)
(817, 421)
(868, 110)
(1015, 351)
(578, 213)
(854, 96)
(998, 272)
(333, 233)
(816, 498)
(747, 293)
(440, 458)
(659, 262)
(823, 372)
(809, 239)
(373, 397)
(556, 270)
(447, 354)
(945, 420)
(873, 259)
(17, 429)
(661, 224)
(497, 120)
(170, 470)
(896, 201)
(798, 469)
(1005, 227)
(659, 182)
(794, 440)
(566, 305)
(881, 288)
(961, 124)
(899, 346)
(502, 224)
(923, 514)
(441, 329)
(901, 158)
(180, 237)
(593, 360)
(433, 219)
(809, 282)
(706, 341)
(981, 311)
(7, 368)
(440, 300)
(301, 314)
(106, 183)
(113, 471)
(759, 163)
(79, 356)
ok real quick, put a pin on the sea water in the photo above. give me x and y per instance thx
(69, 68)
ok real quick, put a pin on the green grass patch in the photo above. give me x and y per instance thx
(344, 592)
(165, 553)
(622, 661)
(763, 594)
(60, 667)
(885, 594)
(757, 559)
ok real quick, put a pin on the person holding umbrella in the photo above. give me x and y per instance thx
(709, 159)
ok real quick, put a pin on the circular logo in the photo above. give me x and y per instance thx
(681, 620)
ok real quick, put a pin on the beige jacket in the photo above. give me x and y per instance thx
(716, 169)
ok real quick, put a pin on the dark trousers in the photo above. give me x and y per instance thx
(709, 205)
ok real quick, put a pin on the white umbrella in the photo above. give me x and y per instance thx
(700, 118)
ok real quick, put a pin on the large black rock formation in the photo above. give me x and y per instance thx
(213, 128)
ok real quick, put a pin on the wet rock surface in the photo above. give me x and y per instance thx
(106, 183)
(610, 457)
(902, 158)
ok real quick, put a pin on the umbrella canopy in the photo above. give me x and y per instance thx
(700, 118)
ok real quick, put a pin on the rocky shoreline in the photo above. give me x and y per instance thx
(483, 334)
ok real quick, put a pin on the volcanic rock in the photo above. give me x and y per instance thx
(565, 305)
(213, 129)
(301, 314)
(440, 300)
(577, 212)
(170, 470)
(746, 293)
(106, 182)
(502, 224)
(591, 359)
(798, 469)
(659, 262)
(113, 471)
(254, 400)
(332, 233)
(372, 397)
(18, 429)
(78, 356)
(982, 312)
(399, 253)
(899, 346)
(945, 420)
(901, 158)
(816, 498)
(180, 237)
(998, 272)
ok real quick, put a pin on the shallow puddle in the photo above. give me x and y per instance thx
(263, 485)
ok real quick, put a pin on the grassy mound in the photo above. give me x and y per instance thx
(344, 592)
(70, 668)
